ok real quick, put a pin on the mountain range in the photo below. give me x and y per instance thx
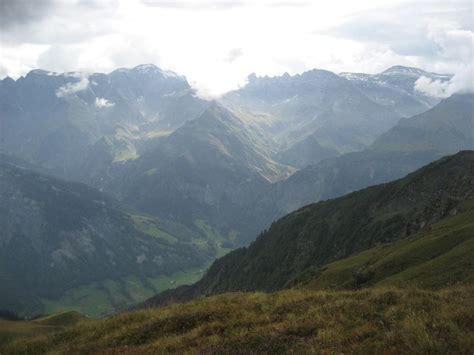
(141, 129)
(180, 180)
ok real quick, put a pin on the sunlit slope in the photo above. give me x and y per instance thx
(440, 256)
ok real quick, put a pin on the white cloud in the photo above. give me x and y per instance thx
(101, 102)
(455, 44)
(71, 88)
(435, 88)
(463, 81)
(206, 46)
(194, 4)
(234, 54)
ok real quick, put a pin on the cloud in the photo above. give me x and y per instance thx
(406, 30)
(455, 44)
(289, 4)
(219, 4)
(18, 12)
(194, 5)
(71, 88)
(55, 21)
(193, 37)
(60, 58)
(101, 102)
(463, 81)
(234, 54)
(430, 87)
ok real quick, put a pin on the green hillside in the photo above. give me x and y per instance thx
(292, 321)
(12, 330)
(440, 256)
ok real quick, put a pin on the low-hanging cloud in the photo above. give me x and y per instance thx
(454, 44)
(71, 88)
(461, 82)
(101, 102)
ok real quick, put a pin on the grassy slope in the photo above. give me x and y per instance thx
(372, 320)
(17, 330)
(438, 257)
(107, 296)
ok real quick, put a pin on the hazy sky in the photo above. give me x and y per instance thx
(216, 44)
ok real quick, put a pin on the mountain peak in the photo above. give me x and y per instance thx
(152, 68)
(400, 69)
(318, 73)
(8, 79)
(146, 67)
(38, 72)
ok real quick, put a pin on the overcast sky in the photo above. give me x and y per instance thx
(216, 44)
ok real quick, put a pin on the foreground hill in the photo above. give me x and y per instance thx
(292, 321)
(331, 230)
(58, 237)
